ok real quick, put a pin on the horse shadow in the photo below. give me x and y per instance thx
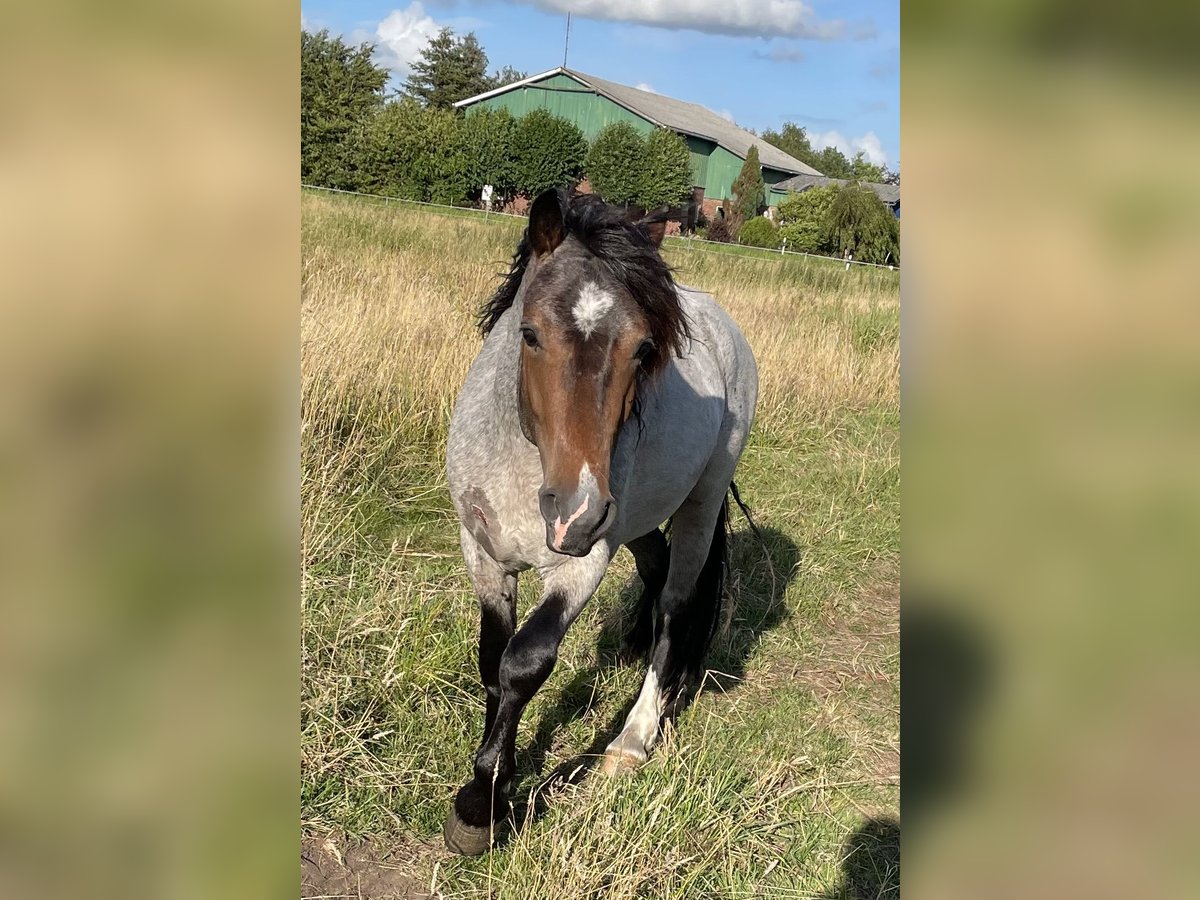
(760, 569)
(870, 863)
(950, 672)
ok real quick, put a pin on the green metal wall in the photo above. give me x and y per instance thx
(566, 97)
(723, 168)
(700, 149)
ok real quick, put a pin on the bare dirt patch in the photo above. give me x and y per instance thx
(332, 866)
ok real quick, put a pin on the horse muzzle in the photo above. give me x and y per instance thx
(575, 521)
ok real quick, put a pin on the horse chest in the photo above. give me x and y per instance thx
(501, 513)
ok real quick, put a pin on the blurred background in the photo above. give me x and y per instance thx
(148, 449)
(1051, 417)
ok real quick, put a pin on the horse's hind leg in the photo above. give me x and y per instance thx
(653, 557)
(685, 618)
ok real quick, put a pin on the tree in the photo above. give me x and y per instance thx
(488, 142)
(832, 162)
(549, 151)
(340, 91)
(416, 153)
(792, 140)
(449, 70)
(748, 188)
(616, 164)
(859, 222)
(667, 176)
(862, 169)
(504, 76)
(803, 220)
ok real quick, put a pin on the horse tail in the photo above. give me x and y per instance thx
(697, 626)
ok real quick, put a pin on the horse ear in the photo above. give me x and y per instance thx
(546, 222)
(656, 231)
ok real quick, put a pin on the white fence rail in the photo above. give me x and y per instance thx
(689, 242)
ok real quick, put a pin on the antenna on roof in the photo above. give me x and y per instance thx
(567, 40)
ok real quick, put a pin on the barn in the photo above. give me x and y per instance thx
(717, 146)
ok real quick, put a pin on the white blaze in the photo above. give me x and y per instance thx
(591, 306)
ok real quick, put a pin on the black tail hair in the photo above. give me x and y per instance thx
(693, 631)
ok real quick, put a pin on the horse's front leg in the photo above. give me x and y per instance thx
(496, 591)
(524, 667)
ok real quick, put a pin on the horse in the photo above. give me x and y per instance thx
(606, 400)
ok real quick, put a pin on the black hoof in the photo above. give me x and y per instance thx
(464, 839)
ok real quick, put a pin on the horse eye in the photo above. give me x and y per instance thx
(529, 336)
(644, 350)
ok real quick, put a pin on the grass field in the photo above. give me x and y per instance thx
(781, 780)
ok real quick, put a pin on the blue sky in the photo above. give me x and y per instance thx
(832, 66)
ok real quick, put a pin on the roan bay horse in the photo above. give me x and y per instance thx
(605, 400)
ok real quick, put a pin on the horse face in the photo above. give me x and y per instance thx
(586, 343)
(582, 347)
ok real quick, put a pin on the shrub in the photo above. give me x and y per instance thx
(416, 154)
(616, 163)
(719, 230)
(803, 220)
(759, 232)
(549, 152)
(667, 173)
(488, 139)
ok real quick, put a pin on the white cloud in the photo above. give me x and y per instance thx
(643, 86)
(400, 37)
(871, 147)
(725, 114)
(753, 18)
(869, 144)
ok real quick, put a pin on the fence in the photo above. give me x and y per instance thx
(688, 242)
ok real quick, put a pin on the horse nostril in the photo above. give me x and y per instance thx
(607, 517)
(548, 503)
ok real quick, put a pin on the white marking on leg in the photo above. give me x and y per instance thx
(591, 306)
(641, 725)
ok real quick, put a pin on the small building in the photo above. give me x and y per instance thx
(798, 184)
(718, 147)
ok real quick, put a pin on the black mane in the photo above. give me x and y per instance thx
(628, 254)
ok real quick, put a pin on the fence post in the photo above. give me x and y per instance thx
(783, 247)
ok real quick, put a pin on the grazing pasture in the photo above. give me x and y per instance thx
(781, 780)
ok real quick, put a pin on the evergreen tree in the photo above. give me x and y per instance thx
(449, 70)
(748, 188)
(340, 91)
(504, 76)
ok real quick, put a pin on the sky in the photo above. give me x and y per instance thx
(832, 66)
